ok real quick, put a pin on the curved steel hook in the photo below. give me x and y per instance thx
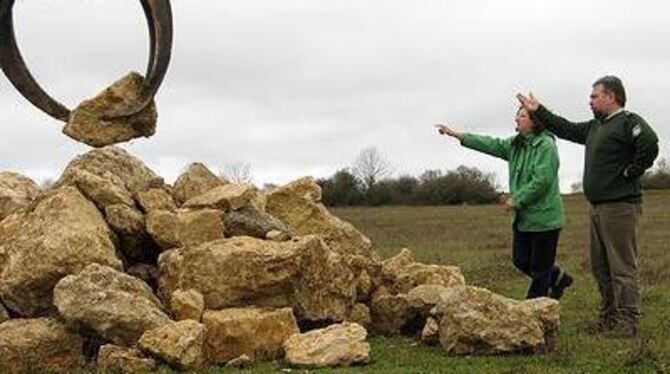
(15, 68)
(159, 18)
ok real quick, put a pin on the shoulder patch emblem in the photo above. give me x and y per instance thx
(636, 131)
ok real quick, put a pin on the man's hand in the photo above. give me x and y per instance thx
(508, 203)
(446, 130)
(530, 103)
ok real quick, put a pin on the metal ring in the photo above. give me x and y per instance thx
(159, 18)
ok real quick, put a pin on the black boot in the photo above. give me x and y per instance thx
(563, 281)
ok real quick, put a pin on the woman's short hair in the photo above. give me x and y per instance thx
(538, 126)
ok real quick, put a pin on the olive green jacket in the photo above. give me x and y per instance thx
(533, 177)
(618, 151)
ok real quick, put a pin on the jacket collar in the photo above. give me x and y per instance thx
(532, 139)
(614, 114)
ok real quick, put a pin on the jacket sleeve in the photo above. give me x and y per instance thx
(495, 147)
(543, 174)
(561, 127)
(645, 143)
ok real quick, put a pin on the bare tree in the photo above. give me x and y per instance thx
(370, 167)
(657, 178)
(237, 172)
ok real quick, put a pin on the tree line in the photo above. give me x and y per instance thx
(657, 178)
(464, 185)
(367, 182)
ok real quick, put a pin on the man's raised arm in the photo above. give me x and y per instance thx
(561, 127)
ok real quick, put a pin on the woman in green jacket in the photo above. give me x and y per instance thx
(534, 202)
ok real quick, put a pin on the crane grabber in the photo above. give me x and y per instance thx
(159, 19)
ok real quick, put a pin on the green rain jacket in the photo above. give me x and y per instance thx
(533, 177)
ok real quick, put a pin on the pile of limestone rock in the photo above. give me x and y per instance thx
(112, 268)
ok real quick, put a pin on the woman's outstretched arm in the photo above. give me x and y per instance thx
(496, 147)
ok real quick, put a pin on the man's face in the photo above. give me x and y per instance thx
(602, 102)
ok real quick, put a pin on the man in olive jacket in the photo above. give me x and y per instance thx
(620, 146)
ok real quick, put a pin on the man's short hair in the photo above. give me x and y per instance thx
(614, 86)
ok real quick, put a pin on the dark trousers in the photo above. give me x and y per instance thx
(534, 253)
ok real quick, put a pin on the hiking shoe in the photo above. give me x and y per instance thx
(602, 325)
(623, 329)
(564, 282)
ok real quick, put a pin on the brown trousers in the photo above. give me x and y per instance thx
(614, 258)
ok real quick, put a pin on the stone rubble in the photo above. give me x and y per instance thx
(206, 272)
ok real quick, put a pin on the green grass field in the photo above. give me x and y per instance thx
(477, 238)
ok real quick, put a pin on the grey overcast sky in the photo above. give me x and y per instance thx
(298, 87)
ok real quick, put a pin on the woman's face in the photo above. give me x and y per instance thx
(524, 124)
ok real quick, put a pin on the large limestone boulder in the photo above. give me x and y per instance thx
(249, 221)
(155, 199)
(30, 345)
(547, 311)
(185, 228)
(405, 313)
(61, 234)
(189, 304)
(325, 288)
(103, 190)
(241, 271)
(254, 332)
(16, 192)
(164, 226)
(402, 273)
(367, 273)
(475, 320)
(226, 197)
(298, 204)
(117, 359)
(360, 314)
(125, 221)
(109, 176)
(336, 345)
(180, 344)
(117, 306)
(134, 241)
(394, 315)
(88, 125)
(426, 297)
(195, 181)
(169, 270)
(200, 226)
